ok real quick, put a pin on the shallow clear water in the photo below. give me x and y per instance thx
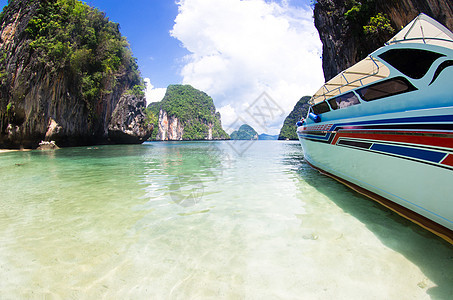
(230, 220)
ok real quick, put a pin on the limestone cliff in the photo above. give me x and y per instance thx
(170, 128)
(343, 24)
(300, 110)
(128, 124)
(63, 69)
(186, 113)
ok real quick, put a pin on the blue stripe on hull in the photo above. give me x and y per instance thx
(432, 156)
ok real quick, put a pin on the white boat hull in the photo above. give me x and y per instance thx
(391, 164)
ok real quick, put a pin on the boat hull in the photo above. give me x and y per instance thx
(402, 160)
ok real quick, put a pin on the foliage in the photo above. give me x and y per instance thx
(362, 16)
(359, 11)
(138, 90)
(186, 103)
(195, 130)
(363, 21)
(150, 117)
(153, 108)
(299, 111)
(194, 109)
(379, 27)
(245, 132)
(354, 12)
(70, 34)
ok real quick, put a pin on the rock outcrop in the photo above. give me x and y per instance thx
(186, 114)
(300, 110)
(170, 128)
(340, 24)
(128, 124)
(245, 132)
(64, 84)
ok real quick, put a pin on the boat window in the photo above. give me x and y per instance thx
(394, 86)
(343, 101)
(321, 108)
(441, 67)
(414, 63)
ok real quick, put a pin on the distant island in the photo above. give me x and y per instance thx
(185, 114)
(245, 132)
(288, 131)
(267, 137)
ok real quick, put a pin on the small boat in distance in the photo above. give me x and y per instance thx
(384, 127)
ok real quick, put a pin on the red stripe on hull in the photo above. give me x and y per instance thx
(426, 139)
(448, 160)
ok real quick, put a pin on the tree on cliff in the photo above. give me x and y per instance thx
(289, 127)
(64, 61)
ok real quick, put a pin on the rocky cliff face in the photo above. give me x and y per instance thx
(48, 92)
(128, 124)
(170, 128)
(186, 113)
(340, 24)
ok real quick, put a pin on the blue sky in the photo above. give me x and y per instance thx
(234, 50)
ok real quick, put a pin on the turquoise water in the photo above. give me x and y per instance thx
(178, 220)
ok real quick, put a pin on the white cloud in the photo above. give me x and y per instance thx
(153, 94)
(229, 116)
(240, 49)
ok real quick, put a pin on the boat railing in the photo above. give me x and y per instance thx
(424, 39)
(349, 85)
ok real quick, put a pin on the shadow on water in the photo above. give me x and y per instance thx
(431, 254)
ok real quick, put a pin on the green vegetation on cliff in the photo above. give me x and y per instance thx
(365, 21)
(363, 16)
(64, 63)
(70, 34)
(245, 132)
(194, 109)
(152, 117)
(299, 111)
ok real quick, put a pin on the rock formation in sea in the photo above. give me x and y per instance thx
(350, 30)
(186, 113)
(245, 132)
(300, 110)
(67, 75)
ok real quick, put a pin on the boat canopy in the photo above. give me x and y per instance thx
(364, 72)
(426, 30)
(422, 29)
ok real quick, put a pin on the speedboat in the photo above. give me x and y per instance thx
(384, 126)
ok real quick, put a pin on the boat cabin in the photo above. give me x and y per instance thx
(410, 64)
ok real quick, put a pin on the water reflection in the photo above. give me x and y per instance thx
(185, 169)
